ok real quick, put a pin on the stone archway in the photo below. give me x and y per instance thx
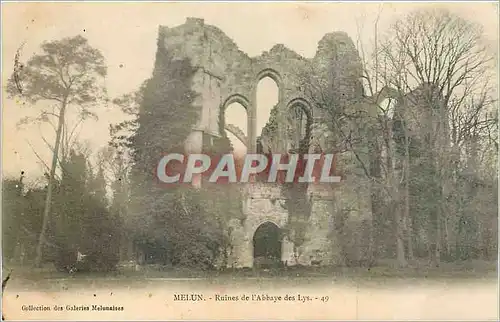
(267, 247)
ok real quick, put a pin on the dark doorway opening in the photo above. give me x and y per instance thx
(267, 246)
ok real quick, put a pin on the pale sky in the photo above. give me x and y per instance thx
(126, 35)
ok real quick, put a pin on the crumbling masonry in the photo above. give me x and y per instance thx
(226, 75)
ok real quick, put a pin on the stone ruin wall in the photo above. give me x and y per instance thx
(226, 75)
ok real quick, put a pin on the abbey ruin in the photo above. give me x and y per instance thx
(226, 75)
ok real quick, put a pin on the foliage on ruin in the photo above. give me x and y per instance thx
(297, 200)
(178, 226)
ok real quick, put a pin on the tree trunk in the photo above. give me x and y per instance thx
(437, 256)
(446, 231)
(407, 216)
(435, 227)
(395, 199)
(376, 198)
(400, 247)
(48, 198)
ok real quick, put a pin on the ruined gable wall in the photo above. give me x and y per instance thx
(213, 53)
(226, 71)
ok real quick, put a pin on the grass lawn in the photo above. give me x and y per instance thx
(385, 271)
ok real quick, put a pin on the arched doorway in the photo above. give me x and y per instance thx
(267, 245)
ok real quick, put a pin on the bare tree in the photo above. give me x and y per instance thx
(440, 61)
(379, 100)
(360, 122)
(429, 64)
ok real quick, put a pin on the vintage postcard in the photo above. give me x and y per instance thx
(244, 161)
